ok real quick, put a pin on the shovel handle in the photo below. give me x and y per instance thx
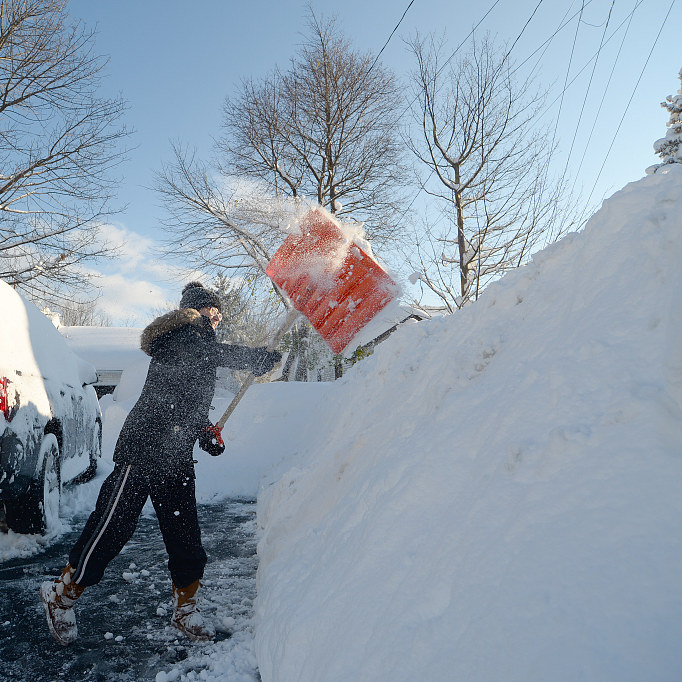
(274, 342)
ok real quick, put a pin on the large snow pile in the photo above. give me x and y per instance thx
(497, 495)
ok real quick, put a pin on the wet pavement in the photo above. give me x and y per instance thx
(123, 623)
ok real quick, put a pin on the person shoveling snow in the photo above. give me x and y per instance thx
(322, 274)
(153, 458)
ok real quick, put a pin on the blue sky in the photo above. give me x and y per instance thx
(176, 61)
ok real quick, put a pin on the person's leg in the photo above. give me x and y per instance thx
(110, 525)
(174, 499)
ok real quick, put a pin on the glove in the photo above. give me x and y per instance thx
(264, 361)
(211, 441)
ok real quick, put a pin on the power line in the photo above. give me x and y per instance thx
(589, 85)
(415, 99)
(549, 40)
(449, 59)
(459, 47)
(601, 104)
(389, 37)
(630, 100)
(589, 61)
(523, 29)
(568, 71)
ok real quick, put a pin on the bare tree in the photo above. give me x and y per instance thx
(490, 168)
(230, 230)
(323, 131)
(326, 128)
(83, 313)
(218, 224)
(248, 319)
(58, 145)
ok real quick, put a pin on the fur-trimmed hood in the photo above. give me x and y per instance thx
(166, 323)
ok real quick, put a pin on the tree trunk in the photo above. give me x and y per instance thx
(286, 371)
(302, 365)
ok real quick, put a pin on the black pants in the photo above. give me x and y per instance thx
(112, 524)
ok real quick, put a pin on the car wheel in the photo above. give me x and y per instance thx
(37, 511)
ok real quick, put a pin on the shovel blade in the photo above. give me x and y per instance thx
(331, 280)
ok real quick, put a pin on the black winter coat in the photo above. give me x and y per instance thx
(172, 409)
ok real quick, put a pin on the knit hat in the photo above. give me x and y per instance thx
(195, 295)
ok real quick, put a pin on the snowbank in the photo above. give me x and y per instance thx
(265, 430)
(496, 495)
(262, 436)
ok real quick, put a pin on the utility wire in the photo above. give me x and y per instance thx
(459, 47)
(601, 104)
(589, 85)
(417, 97)
(630, 100)
(547, 43)
(389, 37)
(524, 29)
(530, 56)
(549, 40)
(568, 71)
(589, 61)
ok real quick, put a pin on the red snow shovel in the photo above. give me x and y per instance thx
(329, 279)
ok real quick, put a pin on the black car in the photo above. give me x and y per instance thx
(50, 421)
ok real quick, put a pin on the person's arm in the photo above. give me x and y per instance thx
(258, 360)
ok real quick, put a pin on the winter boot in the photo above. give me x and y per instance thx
(186, 616)
(58, 598)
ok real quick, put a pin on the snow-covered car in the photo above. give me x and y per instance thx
(50, 421)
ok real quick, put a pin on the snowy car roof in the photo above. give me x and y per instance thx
(30, 344)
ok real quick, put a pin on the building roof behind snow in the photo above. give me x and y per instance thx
(107, 348)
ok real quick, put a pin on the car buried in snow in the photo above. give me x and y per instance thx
(50, 421)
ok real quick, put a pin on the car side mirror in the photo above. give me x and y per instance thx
(86, 372)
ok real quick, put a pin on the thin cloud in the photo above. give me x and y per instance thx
(136, 285)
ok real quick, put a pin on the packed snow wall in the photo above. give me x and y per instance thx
(497, 495)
